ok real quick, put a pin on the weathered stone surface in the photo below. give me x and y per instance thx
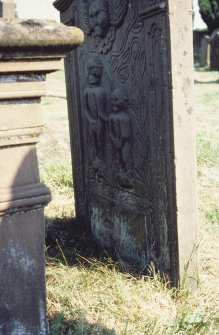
(22, 283)
(28, 51)
(132, 128)
(38, 36)
(214, 41)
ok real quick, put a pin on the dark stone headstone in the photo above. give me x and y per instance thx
(197, 47)
(214, 59)
(205, 51)
(132, 129)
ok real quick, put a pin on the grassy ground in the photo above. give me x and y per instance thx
(88, 292)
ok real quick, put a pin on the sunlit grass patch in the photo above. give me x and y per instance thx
(207, 150)
(57, 175)
(102, 300)
(209, 97)
(213, 215)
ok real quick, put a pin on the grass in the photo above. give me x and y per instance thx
(102, 297)
(207, 151)
(90, 292)
(208, 97)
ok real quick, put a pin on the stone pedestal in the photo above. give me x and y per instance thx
(28, 51)
(205, 51)
(130, 98)
(7, 9)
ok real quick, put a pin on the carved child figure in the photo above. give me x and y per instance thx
(95, 111)
(120, 134)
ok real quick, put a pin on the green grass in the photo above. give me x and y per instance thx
(58, 175)
(207, 151)
(208, 97)
(212, 216)
(89, 293)
(100, 299)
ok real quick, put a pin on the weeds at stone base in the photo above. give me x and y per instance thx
(91, 293)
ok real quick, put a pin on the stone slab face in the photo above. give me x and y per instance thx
(22, 283)
(132, 130)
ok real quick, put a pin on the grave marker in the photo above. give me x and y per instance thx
(130, 98)
(205, 51)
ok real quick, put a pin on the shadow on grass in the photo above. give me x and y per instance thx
(56, 96)
(59, 325)
(66, 239)
(207, 82)
(71, 243)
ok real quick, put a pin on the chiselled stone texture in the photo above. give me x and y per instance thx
(132, 128)
(28, 51)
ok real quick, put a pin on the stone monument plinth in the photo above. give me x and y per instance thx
(28, 51)
(132, 130)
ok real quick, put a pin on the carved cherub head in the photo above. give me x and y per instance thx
(119, 100)
(95, 70)
(98, 15)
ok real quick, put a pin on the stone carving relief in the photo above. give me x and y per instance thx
(119, 145)
(99, 18)
(95, 113)
(120, 135)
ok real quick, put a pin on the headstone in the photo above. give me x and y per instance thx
(130, 98)
(7, 9)
(197, 38)
(205, 51)
(214, 41)
(23, 66)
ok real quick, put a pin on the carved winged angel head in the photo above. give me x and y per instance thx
(98, 16)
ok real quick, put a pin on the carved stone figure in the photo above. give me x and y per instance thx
(120, 134)
(99, 18)
(95, 112)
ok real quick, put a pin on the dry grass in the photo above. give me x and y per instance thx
(88, 292)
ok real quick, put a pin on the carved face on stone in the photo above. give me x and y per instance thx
(95, 70)
(119, 100)
(99, 17)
